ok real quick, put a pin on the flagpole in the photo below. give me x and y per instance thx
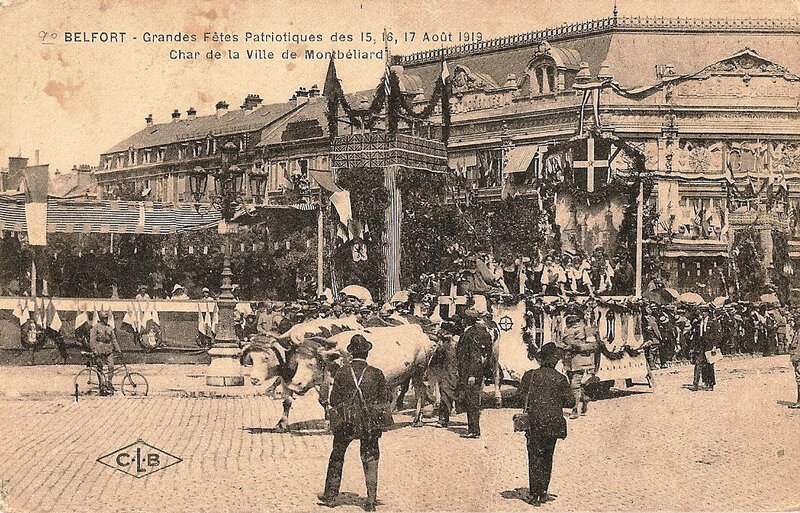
(33, 271)
(639, 220)
(320, 243)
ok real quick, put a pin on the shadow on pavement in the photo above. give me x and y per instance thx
(314, 427)
(350, 499)
(520, 494)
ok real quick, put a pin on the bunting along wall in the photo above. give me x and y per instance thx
(109, 216)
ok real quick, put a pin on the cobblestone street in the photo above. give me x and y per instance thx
(736, 448)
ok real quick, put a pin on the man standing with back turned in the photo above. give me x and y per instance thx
(357, 389)
(545, 392)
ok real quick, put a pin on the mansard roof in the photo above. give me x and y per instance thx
(631, 46)
(236, 121)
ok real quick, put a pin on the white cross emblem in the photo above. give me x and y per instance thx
(590, 164)
(452, 301)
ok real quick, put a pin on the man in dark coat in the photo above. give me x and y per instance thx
(706, 334)
(350, 383)
(545, 392)
(472, 352)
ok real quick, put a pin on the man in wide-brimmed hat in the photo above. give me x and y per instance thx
(357, 385)
(544, 392)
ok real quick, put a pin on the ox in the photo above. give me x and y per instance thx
(279, 359)
(401, 352)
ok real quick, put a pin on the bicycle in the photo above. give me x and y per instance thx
(92, 381)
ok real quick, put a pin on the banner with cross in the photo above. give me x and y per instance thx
(591, 167)
(452, 304)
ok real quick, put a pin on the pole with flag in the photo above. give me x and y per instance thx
(391, 115)
(639, 220)
(445, 102)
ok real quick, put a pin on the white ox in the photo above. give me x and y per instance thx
(401, 352)
(279, 360)
(320, 327)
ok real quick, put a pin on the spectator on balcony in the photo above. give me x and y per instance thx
(179, 293)
(142, 294)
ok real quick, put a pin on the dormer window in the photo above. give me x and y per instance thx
(162, 153)
(545, 79)
(552, 69)
(146, 156)
(107, 163)
(197, 150)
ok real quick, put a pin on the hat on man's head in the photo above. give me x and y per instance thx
(359, 344)
(205, 289)
(548, 352)
(177, 287)
(471, 312)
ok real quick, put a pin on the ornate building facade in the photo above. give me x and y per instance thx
(714, 104)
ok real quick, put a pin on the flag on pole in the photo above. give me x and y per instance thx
(201, 321)
(53, 319)
(81, 317)
(445, 72)
(35, 186)
(214, 318)
(387, 88)
(22, 311)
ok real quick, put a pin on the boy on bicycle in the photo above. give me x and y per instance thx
(103, 343)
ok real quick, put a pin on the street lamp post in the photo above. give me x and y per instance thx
(225, 368)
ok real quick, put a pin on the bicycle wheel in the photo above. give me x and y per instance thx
(135, 384)
(87, 382)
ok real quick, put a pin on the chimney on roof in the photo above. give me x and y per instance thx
(191, 113)
(222, 108)
(605, 71)
(176, 115)
(584, 76)
(301, 96)
(314, 91)
(149, 120)
(251, 101)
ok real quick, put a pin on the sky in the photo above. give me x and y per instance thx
(72, 101)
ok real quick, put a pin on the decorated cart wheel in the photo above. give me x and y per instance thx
(32, 336)
(246, 358)
(87, 382)
(134, 384)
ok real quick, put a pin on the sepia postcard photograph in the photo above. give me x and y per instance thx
(399, 256)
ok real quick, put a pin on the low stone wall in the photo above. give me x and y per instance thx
(178, 324)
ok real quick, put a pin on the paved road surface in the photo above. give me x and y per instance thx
(670, 449)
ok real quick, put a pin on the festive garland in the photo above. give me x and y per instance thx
(396, 104)
(748, 255)
(369, 200)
